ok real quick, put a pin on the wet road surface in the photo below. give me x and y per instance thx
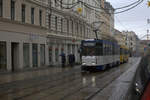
(58, 84)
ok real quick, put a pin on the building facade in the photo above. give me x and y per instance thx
(107, 16)
(132, 42)
(23, 39)
(120, 37)
(67, 27)
(33, 33)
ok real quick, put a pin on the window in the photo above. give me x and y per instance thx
(60, 3)
(81, 30)
(35, 55)
(1, 8)
(56, 54)
(77, 28)
(56, 23)
(12, 10)
(3, 55)
(55, 3)
(50, 53)
(84, 29)
(32, 15)
(40, 17)
(26, 55)
(72, 27)
(61, 25)
(42, 54)
(23, 13)
(67, 26)
(49, 21)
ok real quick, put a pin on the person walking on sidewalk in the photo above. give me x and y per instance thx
(70, 59)
(74, 59)
(63, 59)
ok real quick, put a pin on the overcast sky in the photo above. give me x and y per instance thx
(133, 20)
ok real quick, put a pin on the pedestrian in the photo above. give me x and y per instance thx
(74, 60)
(70, 59)
(63, 59)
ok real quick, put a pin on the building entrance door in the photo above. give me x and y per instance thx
(35, 55)
(3, 57)
(15, 56)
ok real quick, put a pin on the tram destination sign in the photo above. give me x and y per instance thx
(89, 44)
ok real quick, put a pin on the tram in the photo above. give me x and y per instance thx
(124, 54)
(99, 54)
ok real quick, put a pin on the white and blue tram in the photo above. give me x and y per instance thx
(99, 54)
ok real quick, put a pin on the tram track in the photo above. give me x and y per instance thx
(78, 80)
(73, 95)
(80, 89)
(76, 88)
(57, 84)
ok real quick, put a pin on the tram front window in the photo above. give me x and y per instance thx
(88, 51)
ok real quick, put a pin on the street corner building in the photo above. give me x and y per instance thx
(23, 39)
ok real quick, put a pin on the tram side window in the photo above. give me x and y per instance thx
(113, 49)
(120, 51)
(107, 49)
(99, 49)
(110, 49)
(104, 49)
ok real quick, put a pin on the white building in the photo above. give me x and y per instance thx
(33, 33)
(67, 27)
(23, 39)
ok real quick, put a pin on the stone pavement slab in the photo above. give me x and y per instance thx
(18, 76)
(118, 89)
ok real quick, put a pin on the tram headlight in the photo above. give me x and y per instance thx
(93, 63)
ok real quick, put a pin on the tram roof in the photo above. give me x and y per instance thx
(99, 40)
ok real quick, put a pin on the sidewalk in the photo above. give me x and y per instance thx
(124, 82)
(28, 74)
(118, 89)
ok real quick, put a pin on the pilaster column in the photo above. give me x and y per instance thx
(76, 53)
(66, 51)
(30, 55)
(53, 54)
(20, 55)
(59, 52)
(46, 55)
(71, 48)
(39, 56)
(9, 56)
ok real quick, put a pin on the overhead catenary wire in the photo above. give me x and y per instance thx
(70, 6)
(79, 1)
(129, 8)
(128, 5)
